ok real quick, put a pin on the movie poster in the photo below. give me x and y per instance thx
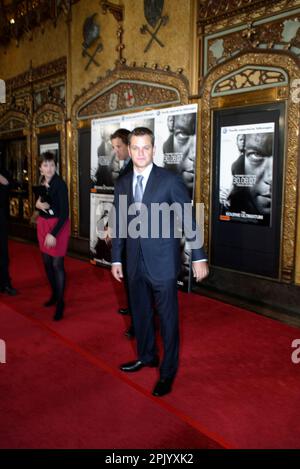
(105, 167)
(100, 245)
(175, 141)
(175, 132)
(246, 173)
(175, 137)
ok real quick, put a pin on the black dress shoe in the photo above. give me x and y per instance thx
(59, 313)
(162, 387)
(9, 290)
(124, 311)
(137, 365)
(129, 333)
(52, 301)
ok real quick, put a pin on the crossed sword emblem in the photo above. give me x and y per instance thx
(85, 53)
(144, 29)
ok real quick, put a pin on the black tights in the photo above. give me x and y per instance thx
(55, 271)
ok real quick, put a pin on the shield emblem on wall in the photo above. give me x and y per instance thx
(153, 11)
(129, 97)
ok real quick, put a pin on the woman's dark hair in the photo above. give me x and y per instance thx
(47, 156)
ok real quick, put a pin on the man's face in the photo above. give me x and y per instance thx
(120, 149)
(240, 141)
(141, 151)
(184, 142)
(259, 162)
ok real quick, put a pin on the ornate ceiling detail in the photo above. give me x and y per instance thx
(270, 34)
(130, 88)
(129, 95)
(212, 11)
(48, 118)
(31, 90)
(118, 13)
(11, 125)
(19, 18)
(250, 77)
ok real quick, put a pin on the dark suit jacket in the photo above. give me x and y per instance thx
(161, 254)
(125, 170)
(4, 192)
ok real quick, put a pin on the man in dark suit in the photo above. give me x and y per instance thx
(119, 142)
(153, 253)
(5, 283)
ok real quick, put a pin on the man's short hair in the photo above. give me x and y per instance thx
(140, 132)
(122, 134)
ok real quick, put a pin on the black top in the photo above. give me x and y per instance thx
(126, 169)
(4, 191)
(56, 195)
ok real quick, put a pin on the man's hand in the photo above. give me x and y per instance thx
(50, 241)
(3, 180)
(117, 271)
(200, 270)
(223, 197)
(108, 238)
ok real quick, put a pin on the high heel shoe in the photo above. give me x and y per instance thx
(59, 313)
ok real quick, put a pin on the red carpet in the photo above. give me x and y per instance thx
(61, 388)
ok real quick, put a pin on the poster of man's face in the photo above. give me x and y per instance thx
(100, 249)
(246, 173)
(104, 165)
(175, 134)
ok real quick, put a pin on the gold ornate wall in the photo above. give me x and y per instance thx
(249, 54)
(35, 104)
(175, 37)
(45, 46)
(210, 103)
(123, 45)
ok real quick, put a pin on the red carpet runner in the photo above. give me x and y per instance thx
(60, 386)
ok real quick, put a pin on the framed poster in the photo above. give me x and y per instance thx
(174, 130)
(247, 188)
(246, 173)
(100, 247)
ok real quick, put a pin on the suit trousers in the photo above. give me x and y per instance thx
(145, 291)
(4, 260)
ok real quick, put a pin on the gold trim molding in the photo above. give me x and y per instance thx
(8, 121)
(121, 72)
(204, 163)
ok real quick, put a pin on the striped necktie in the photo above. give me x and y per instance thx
(138, 192)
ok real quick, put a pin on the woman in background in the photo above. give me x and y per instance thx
(53, 229)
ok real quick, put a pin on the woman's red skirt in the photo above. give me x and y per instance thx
(45, 226)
